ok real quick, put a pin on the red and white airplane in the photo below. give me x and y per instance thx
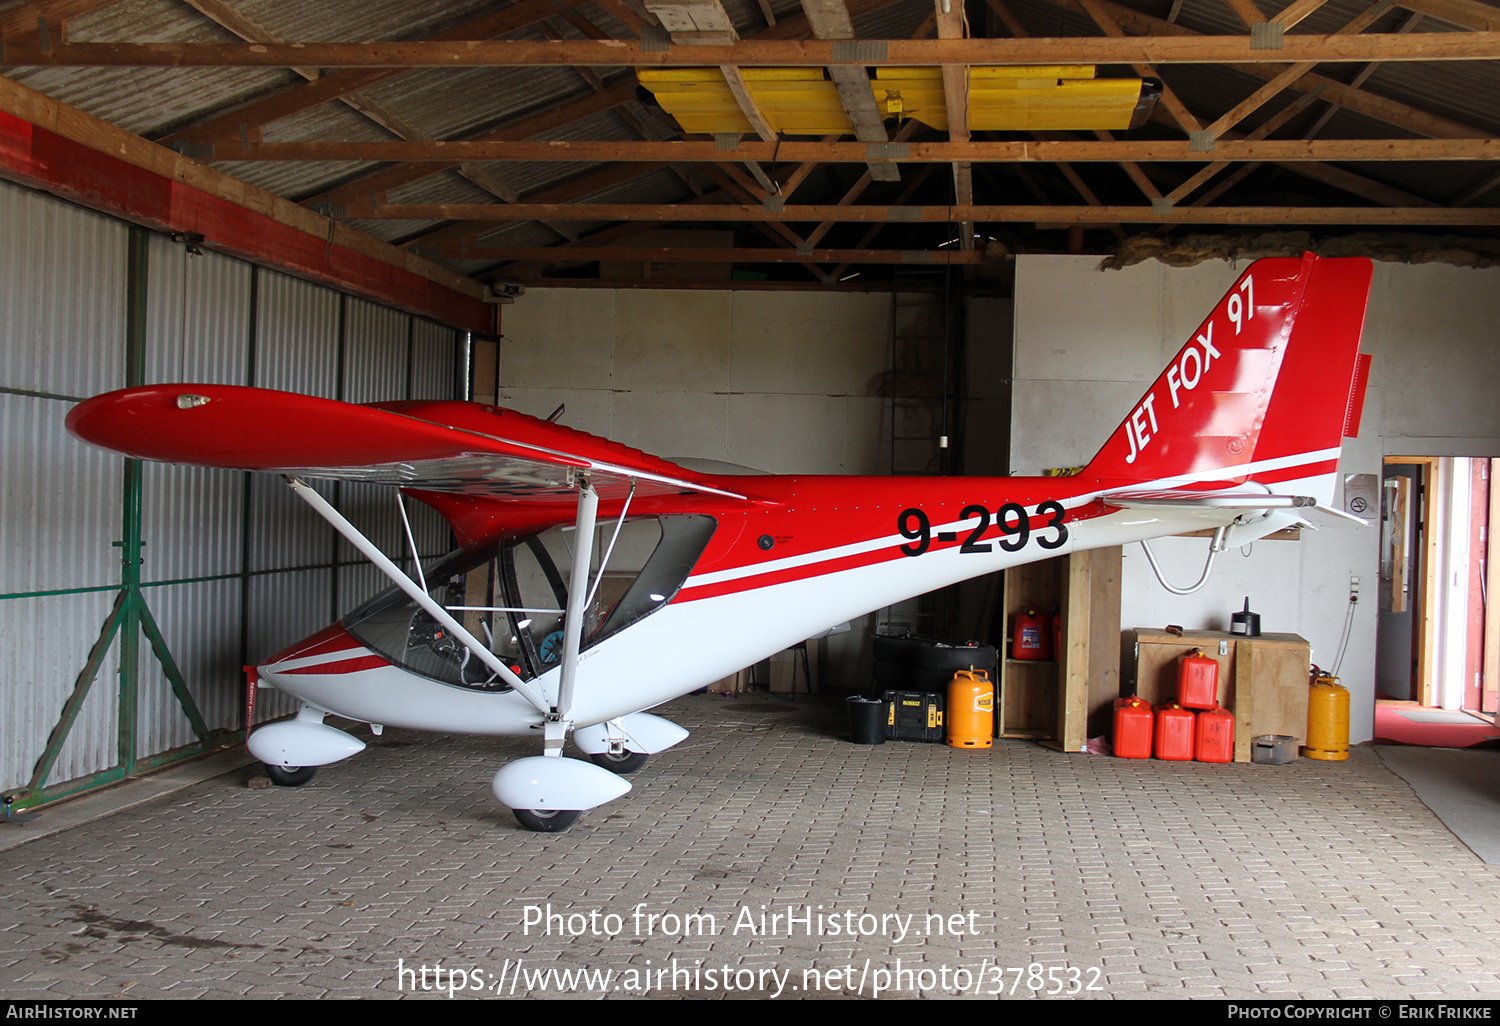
(593, 581)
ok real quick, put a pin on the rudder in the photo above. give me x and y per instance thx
(1260, 391)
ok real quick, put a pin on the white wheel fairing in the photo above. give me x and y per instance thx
(551, 783)
(639, 732)
(302, 742)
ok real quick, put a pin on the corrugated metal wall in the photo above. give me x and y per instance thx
(232, 567)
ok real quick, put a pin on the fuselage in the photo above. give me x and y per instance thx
(807, 554)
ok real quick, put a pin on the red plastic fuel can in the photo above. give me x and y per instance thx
(1032, 638)
(1174, 732)
(1133, 722)
(1215, 740)
(1198, 681)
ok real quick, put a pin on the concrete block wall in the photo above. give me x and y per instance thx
(784, 382)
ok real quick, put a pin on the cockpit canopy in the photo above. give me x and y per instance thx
(512, 594)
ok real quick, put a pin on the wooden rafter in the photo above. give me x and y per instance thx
(707, 152)
(830, 20)
(949, 19)
(1105, 214)
(550, 254)
(388, 58)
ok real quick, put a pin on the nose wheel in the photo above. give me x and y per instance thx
(289, 776)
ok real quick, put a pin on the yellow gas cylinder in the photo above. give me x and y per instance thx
(1327, 719)
(970, 717)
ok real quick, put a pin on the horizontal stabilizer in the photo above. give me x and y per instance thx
(1207, 500)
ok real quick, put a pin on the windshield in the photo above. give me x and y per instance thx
(511, 596)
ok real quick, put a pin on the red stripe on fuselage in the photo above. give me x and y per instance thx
(820, 567)
(367, 662)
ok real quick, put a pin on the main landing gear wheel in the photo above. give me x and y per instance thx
(625, 762)
(546, 821)
(289, 776)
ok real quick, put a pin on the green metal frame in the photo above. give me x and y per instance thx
(130, 616)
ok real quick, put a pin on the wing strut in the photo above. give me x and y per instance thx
(415, 592)
(578, 595)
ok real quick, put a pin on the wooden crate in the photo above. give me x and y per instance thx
(1263, 680)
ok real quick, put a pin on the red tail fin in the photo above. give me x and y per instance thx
(1261, 390)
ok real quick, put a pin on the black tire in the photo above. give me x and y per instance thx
(289, 776)
(546, 821)
(626, 762)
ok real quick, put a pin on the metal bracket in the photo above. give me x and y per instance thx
(773, 204)
(1200, 142)
(655, 39)
(859, 51)
(888, 151)
(194, 150)
(726, 141)
(1266, 35)
(1161, 205)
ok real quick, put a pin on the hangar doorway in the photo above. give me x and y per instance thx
(1438, 638)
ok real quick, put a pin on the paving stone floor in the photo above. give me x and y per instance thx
(929, 871)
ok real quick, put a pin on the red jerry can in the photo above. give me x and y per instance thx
(1174, 732)
(1032, 638)
(1215, 741)
(1198, 681)
(1133, 722)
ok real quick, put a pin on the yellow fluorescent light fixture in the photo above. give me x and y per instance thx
(802, 101)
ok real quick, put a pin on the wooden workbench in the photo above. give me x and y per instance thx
(1262, 680)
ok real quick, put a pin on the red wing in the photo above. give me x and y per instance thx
(240, 428)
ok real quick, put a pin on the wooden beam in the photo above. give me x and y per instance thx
(707, 152)
(740, 90)
(585, 185)
(1175, 49)
(1295, 11)
(888, 214)
(46, 144)
(948, 16)
(530, 254)
(830, 20)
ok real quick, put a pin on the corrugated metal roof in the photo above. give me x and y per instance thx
(445, 104)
